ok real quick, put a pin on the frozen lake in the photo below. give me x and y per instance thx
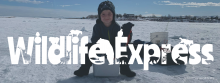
(200, 33)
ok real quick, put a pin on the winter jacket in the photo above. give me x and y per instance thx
(108, 33)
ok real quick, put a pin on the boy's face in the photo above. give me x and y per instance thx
(106, 16)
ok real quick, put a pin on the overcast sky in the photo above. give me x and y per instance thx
(83, 8)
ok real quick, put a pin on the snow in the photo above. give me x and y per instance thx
(200, 33)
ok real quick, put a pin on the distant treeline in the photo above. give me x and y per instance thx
(169, 18)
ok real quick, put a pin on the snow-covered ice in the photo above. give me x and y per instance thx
(200, 33)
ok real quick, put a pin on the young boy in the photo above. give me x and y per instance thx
(105, 28)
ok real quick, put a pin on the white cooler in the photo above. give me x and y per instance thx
(159, 38)
(106, 70)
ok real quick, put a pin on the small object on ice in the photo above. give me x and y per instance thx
(177, 37)
(24, 21)
(83, 29)
(202, 39)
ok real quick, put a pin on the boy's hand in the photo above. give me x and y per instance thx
(127, 28)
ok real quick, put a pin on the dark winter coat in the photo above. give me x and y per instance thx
(108, 33)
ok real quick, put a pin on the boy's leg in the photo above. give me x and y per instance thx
(84, 69)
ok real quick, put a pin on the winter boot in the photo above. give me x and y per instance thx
(125, 69)
(84, 69)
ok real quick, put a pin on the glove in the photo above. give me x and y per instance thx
(127, 28)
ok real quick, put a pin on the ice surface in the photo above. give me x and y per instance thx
(200, 33)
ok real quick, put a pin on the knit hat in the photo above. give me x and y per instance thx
(106, 5)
